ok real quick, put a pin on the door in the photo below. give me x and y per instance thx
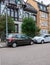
(46, 38)
(18, 39)
(25, 39)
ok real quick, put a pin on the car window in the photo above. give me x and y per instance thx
(17, 36)
(24, 36)
(46, 36)
(10, 36)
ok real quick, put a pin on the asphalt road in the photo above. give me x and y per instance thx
(37, 54)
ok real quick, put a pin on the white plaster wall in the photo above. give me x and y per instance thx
(19, 24)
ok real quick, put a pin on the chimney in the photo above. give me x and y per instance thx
(41, 2)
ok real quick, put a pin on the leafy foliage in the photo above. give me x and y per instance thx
(29, 27)
(49, 31)
(11, 26)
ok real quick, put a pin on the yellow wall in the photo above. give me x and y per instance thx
(39, 18)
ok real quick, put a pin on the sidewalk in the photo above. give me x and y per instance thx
(2, 44)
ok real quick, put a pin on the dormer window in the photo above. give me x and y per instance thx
(17, 1)
(41, 7)
(44, 8)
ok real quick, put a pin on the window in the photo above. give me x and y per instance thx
(12, 13)
(15, 13)
(9, 12)
(44, 23)
(2, 8)
(41, 7)
(22, 36)
(17, 1)
(44, 15)
(23, 14)
(43, 31)
(33, 16)
(44, 8)
(30, 14)
(46, 36)
(26, 14)
(20, 13)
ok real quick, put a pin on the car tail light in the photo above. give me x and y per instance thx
(10, 40)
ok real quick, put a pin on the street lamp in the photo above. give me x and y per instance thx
(0, 5)
(6, 17)
(6, 22)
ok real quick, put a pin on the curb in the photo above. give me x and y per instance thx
(2, 45)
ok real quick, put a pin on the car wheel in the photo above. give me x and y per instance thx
(42, 41)
(31, 43)
(14, 45)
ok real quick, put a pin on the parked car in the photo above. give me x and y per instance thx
(18, 39)
(41, 38)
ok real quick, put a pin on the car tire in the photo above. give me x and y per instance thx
(31, 43)
(42, 41)
(7, 45)
(14, 45)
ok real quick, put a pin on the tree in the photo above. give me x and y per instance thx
(29, 27)
(11, 26)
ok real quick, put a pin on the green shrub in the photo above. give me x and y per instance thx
(29, 27)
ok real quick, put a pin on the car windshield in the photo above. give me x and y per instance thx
(10, 35)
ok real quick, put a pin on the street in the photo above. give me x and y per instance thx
(37, 54)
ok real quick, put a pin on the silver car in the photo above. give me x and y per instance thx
(41, 38)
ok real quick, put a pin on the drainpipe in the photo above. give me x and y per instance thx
(0, 8)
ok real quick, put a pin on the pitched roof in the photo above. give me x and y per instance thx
(22, 1)
(30, 8)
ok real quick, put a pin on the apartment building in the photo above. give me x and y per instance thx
(18, 9)
(43, 15)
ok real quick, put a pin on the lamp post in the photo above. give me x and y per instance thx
(6, 22)
(0, 5)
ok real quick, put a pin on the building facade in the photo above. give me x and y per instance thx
(43, 15)
(18, 9)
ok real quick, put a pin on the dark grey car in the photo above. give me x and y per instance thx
(18, 39)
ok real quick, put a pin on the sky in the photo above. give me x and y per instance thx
(45, 1)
